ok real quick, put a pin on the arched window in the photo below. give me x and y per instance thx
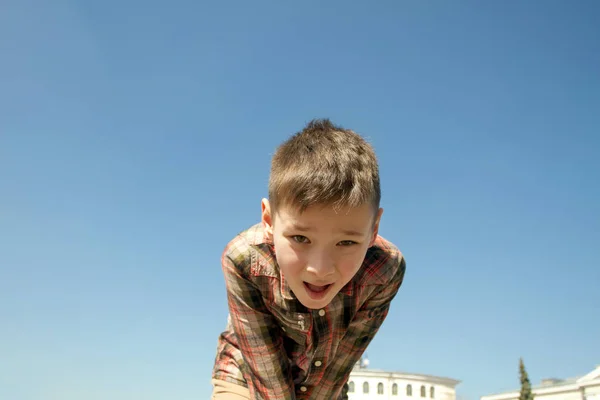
(395, 389)
(366, 387)
(409, 390)
(380, 388)
(431, 392)
(351, 387)
(423, 391)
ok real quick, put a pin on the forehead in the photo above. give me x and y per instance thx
(326, 218)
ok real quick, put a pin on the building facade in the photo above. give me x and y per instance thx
(586, 387)
(367, 384)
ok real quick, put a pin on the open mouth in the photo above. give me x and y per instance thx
(317, 291)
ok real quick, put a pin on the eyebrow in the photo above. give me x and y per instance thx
(352, 233)
(348, 232)
(300, 228)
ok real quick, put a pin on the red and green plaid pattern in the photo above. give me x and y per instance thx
(282, 350)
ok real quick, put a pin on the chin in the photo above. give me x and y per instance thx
(313, 305)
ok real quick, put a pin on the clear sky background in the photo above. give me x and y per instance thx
(135, 141)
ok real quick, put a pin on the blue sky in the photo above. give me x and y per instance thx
(135, 141)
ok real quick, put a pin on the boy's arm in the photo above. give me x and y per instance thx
(364, 327)
(267, 369)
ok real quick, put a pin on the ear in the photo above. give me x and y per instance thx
(266, 218)
(376, 226)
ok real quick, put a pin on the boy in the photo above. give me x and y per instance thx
(308, 287)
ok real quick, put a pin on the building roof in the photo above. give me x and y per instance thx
(552, 385)
(361, 370)
(595, 374)
(378, 373)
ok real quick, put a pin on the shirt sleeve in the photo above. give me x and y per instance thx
(267, 369)
(364, 327)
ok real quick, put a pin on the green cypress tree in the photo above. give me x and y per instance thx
(525, 384)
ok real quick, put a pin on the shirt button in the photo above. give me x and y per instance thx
(321, 312)
(303, 388)
(318, 363)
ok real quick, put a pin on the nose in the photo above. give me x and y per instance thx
(321, 265)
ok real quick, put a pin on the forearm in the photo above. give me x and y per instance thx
(266, 367)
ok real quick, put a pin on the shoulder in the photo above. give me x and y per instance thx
(249, 250)
(384, 264)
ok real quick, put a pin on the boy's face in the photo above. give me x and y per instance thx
(320, 250)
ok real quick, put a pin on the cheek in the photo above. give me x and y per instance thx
(349, 265)
(288, 259)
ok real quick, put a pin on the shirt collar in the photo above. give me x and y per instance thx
(286, 291)
(348, 290)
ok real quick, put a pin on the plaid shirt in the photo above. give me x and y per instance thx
(280, 349)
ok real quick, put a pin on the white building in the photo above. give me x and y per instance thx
(367, 384)
(586, 387)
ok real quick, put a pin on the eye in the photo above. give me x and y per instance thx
(300, 239)
(347, 243)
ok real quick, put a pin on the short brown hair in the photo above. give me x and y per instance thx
(324, 164)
